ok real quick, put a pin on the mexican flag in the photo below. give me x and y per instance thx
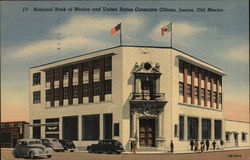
(166, 28)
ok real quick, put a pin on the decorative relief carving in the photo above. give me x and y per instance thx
(147, 67)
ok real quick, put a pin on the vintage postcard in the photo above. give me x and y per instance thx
(127, 79)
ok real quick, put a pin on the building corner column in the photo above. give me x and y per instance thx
(79, 128)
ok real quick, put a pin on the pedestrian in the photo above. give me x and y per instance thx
(214, 144)
(172, 146)
(221, 143)
(192, 144)
(132, 145)
(207, 144)
(202, 145)
(196, 145)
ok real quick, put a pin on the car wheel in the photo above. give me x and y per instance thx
(32, 155)
(90, 150)
(16, 155)
(117, 152)
(49, 156)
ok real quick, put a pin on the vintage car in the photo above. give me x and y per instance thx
(53, 143)
(68, 145)
(31, 148)
(106, 146)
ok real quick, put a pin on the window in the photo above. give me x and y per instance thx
(47, 74)
(96, 88)
(36, 97)
(217, 129)
(202, 74)
(220, 80)
(108, 63)
(181, 66)
(181, 127)
(220, 98)
(65, 72)
(56, 74)
(196, 92)
(188, 68)
(91, 127)
(181, 88)
(208, 76)
(47, 95)
(70, 128)
(206, 128)
(108, 86)
(5, 137)
(96, 64)
(85, 90)
(75, 91)
(208, 95)
(203, 94)
(175, 130)
(215, 97)
(116, 129)
(65, 92)
(192, 128)
(196, 72)
(37, 129)
(228, 136)
(85, 67)
(244, 136)
(56, 93)
(189, 90)
(52, 128)
(36, 78)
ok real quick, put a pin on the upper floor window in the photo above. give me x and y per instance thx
(65, 72)
(56, 74)
(56, 93)
(208, 95)
(203, 94)
(85, 90)
(75, 91)
(65, 92)
(108, 86)
(96, 64)
(48, 95)
(189, 88)
(85, 67)
(37, 78)
(215, 97)
(220, 98)
(36, 97)
(47, 76)
(108, 63)
(96, 88)
(188, 68)
(181, 66)
(181, 88)
(195, 92)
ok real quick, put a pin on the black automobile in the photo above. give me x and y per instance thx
(106, 146)
(68, 144)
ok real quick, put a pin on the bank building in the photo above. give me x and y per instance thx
(148, 94)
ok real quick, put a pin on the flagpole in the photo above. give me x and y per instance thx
(121, 35)
(171, 33)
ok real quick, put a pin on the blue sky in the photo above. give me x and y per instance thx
(33, 38)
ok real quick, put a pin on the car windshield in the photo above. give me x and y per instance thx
(34, 142)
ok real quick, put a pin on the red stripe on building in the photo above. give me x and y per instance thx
(211, 91)
(205, 86)
(52, 103)
(192, 85)
(199, 88)
(80, 84)
(185, 82)
(102, 79)
(70, 88)
(61, 86)
(90, 86)
(217, 93)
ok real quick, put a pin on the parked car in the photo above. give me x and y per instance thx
(31, 148)
(53, 143)
(106, 146)
(68, 145)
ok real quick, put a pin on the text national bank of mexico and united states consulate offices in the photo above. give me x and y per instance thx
(144, 93)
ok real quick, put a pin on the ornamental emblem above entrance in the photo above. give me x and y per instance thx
(147, 67)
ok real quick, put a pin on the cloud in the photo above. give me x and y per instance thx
(240, 53)
(181, 32)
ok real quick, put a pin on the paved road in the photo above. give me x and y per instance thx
(221, 155)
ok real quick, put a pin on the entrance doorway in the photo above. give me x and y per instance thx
(147, 132)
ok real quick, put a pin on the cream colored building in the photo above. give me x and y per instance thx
(149, 94)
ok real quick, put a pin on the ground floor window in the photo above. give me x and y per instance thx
(107, 126)
(244, 136)
(217, 129)
(228, 136)
(70, 128)
(5, 137)
(181, 129)
(206, 128)
(192, 128)
(37, 129)
(116, 129)
(90, 127)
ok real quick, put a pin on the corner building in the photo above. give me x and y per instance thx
(149, 94)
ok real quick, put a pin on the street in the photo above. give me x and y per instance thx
(219, 155)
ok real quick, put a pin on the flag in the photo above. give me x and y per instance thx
(115, 29)
(166, 28)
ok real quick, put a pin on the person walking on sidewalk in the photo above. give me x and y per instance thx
(172, 146)
(196, 145)
(202, 145)
(207, 144)
(192, 144)
(221, 143)
(132, 145)
(214, 144)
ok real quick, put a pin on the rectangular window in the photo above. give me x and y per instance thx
(181, 88)
(56, 74)
(203, 94)
(91, 127)
(228, 136)
(85, 67)
(189, 88)
(108, 63)
(181, 127)
(5, 137)
(215, 97)
(188, 68)
(56, 93)
(209, 76)
(208, 95)
(47, 95)
(70, 128)
(75, 91)
(244, 136)
(196, 92)
(65, 92)
(37, 129)
(85, 90)
(175, 130)
(47, 74)
(108, 86)
(202, 74)
(196, 72)
(36, 97)
(96, 64)
(65, 72)
(206, 128)
(54, 127)
(220, 98)
(220, 80)
(36, 78)
(193, 128)
(181, 66)
(217, 129)
(116, 129)
(96, 88)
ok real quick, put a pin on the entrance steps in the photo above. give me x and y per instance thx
(148, 149)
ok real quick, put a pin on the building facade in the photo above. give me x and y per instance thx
(148, 94)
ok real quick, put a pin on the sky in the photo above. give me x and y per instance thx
(30, 38)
